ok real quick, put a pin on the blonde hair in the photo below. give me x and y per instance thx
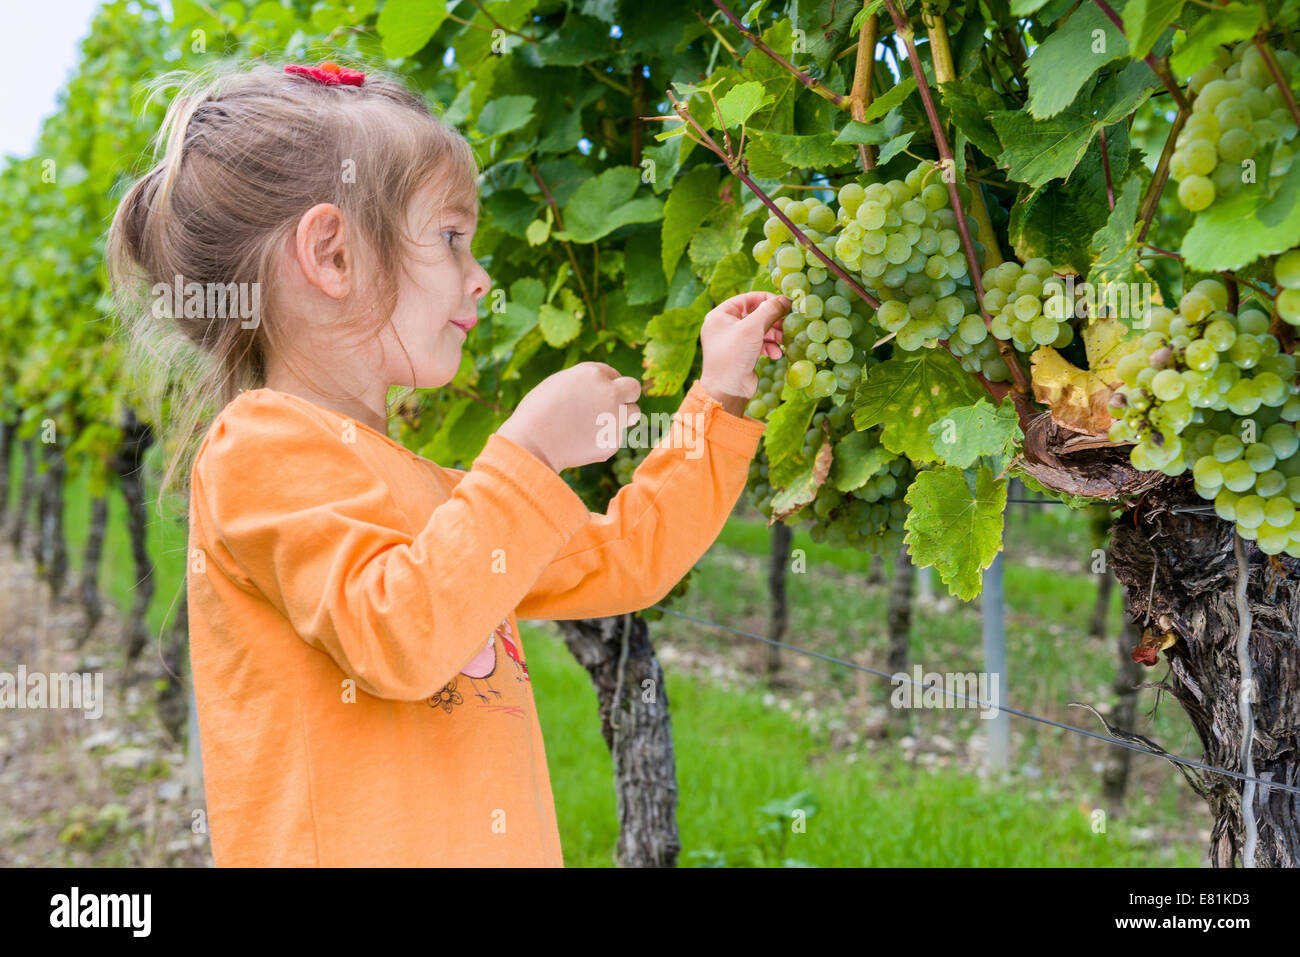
(245, 153)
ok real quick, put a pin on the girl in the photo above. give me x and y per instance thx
(362, 688)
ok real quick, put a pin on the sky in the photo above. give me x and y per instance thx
(41, 55)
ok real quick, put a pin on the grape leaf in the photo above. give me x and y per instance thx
(504, 114)
(1115, 245)
(783, 438)
(670, 349)
(894, 147)
(1106, 341)
(1036, 151)
(909, 392)
(812, 151)
(1236, 21)
(971, 431)
(858, 456)
(407, 25)
(1058, 221)
(601, 205)
(1078, 399)
(689, 203)
(1023, 8)
(1240, 228)
(955, 528)
(741, 101)
(560, 325)
(970, 103)
(580, 39)
(893, 97)
(803, 489)
(1145, 20)
(645, 278)
(1065, 60)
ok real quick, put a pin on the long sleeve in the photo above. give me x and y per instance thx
(658, 525)
(401, 603)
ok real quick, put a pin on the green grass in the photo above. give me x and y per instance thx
(735, 756)
(745, 768)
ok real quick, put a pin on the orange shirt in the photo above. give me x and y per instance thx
(363, 694)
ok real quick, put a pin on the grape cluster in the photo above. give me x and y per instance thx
(868, 518)
(1211, 390)
(1238, 111)
(1028, 305)
(1286, 273)
(901, 240)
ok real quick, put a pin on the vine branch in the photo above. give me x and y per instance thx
(801, 75)
(903, 28)
(1158, 65)
(736, 165)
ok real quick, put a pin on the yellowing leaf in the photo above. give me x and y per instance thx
(1078, 399)
(1106, 342)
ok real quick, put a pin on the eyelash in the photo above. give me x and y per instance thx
(453, 233)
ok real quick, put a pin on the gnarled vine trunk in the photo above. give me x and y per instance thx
(1176, 561)
(1195, 574)
(634, 720)
(128, 462)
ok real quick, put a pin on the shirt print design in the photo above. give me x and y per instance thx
(482, 669)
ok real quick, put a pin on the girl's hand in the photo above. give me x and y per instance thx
(575, 416)
(735, 333)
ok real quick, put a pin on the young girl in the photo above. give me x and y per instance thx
(362, 687)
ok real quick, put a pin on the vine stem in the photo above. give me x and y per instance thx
(737, 166)
(1168, 254)
(903, 28)
(1283, 86)
(559, 221)
(811, 83)
(1243, 701)
(1158, 66)
(863, 68)
(1161, 177)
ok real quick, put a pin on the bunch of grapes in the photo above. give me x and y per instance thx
(1211, 390)
(868, 518)
(1238, 110)
(1286, 274)
(1028, 305)
(901, 240)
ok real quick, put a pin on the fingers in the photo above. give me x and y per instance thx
(626, 388)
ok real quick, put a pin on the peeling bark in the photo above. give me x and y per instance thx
(634, 720)
(1179, 571)
(778, 616)
(91, 600)
(1179, 574)
(53, 563)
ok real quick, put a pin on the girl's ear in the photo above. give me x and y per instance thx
(322, 252)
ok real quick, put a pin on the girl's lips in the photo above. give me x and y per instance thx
(465, 325)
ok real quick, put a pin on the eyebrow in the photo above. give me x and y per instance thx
(459, 208)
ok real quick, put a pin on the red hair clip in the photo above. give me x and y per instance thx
(329, 73)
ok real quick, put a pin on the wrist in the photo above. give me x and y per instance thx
(731, 402)
(528, 446)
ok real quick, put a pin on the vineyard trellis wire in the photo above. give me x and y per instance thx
(1173, 758)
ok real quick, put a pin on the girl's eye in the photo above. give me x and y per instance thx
(453, 233)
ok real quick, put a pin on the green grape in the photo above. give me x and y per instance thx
(1196, 193)
(800, 374)
(839, 350)
(1287, 270)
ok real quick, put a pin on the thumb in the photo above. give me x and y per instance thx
(769, 313)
